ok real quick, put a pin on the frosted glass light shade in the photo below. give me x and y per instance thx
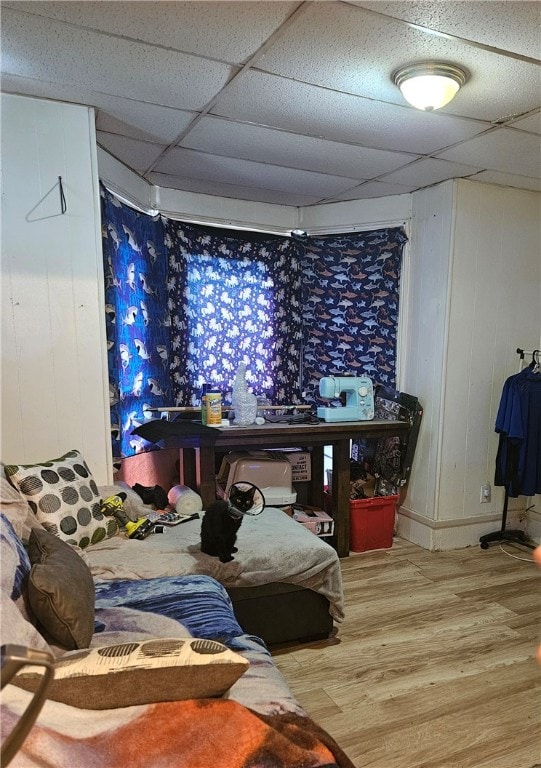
(429, 86)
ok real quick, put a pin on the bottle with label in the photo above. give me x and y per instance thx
(214, 408)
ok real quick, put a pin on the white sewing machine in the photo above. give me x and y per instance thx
(359, 398)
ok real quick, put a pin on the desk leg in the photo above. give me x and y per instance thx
(207, 474)
(340, 494)
(317, 481)
(188, 473)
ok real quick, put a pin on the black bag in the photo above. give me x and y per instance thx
(390, 458)
(154, 495)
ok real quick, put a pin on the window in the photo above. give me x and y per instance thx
(234, 300)
(185, 304)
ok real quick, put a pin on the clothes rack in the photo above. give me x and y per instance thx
(505, 534)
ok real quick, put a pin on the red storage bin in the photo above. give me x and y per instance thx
(372, 523)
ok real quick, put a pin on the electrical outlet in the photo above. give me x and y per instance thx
(485, 493)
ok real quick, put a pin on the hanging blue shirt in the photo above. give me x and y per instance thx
(518, 422)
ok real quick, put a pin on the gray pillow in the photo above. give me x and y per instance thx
(60, 590)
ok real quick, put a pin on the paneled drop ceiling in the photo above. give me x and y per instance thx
(289, 102)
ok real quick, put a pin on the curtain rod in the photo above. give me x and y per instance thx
(243, 226)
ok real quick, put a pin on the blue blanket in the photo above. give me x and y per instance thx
(200, 603)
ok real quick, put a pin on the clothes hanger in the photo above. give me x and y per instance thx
(12, 659)
(535, 364)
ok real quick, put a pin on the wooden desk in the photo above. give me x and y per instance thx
(198, 458)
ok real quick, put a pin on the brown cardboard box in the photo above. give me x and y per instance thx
(301, 465)
(313, 518)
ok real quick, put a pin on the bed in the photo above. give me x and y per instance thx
(256, 722)
(285, 582)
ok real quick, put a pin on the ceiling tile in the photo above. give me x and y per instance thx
(227, 31)
(504, 149)
(277, 197)
(498, 86)
(149, 69)
(513, 26)
(28, 86)
(108, 124)
(39, 48)
(270, 100)
(371, 189)
(190, 163)
(138, 155)
(532, 123)
(430, 171)
(509, 180)
(266, 145)
(149, 122)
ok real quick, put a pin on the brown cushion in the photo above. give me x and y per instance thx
(60, 590)
(130, 674)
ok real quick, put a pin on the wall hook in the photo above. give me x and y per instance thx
(63, 205)
(46, 208)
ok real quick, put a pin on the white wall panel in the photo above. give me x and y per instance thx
(191, 206)
(356, 214)
(54, 394)
(495, 307)
(474, 296)
(424, 338)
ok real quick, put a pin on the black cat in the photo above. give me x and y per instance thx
(221, 521)
(154, 495)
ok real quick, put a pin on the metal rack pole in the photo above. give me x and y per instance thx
(515, 535)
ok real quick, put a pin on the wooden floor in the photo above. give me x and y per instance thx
(434, 666)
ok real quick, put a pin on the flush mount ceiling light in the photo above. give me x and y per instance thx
(429, 85)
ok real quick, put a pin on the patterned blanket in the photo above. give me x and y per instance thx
(196, 733)
(272, 547)
(256, 724)
(200, 607)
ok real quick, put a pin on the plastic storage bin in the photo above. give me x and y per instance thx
(273, 476)
(372, 523)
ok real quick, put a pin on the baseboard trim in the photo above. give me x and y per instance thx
(533, 525)
(472, 520)
(458, 533)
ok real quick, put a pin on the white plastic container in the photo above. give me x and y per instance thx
(272, 476)
(184, 500)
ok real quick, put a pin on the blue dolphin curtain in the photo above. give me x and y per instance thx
(137, 319)
(186, 304)
(236, 298)
(350, 299)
